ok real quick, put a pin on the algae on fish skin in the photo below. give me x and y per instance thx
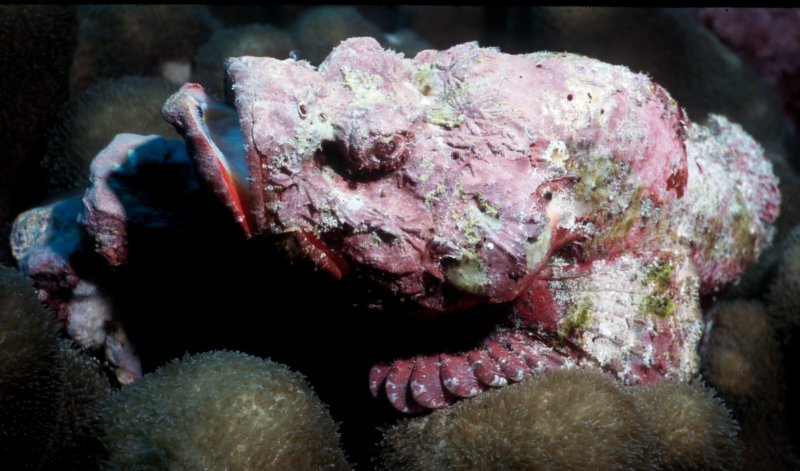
(445, 117)
(424, 79)
(537, 250)
(488, 208)
(658, 275)
(657, 305)
(742, 225)
(427, 81)
(469, 274)
(610, 194)
(434, 194)
(366, 87)
(621, 221)
(473, 223)
(579, 317)
(601, 176)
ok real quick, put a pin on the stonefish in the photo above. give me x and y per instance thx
(574, 192)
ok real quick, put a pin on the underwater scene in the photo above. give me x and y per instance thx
(242, 237)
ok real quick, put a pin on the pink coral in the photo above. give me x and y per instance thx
(574, 191)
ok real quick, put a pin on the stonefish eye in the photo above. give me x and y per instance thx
(381, 155)
(384, 150)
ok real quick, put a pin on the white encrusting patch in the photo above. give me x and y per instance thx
(556, 152)
(536, 251)
(366, 87)
(497, 381)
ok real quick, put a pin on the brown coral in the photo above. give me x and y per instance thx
(565, 419)
(249, 40)
(572, 419)
(127, 104)
(688, 427)
(782, 297)
(318, 30)
(48, 390)
(28, 375)
(741, 355)
(119, 40)
(220, 410)
(741, 358)
(38, 44)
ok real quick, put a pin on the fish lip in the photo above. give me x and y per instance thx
(321, 254)
(187, 111)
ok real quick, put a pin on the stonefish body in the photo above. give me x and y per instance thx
(575, 192)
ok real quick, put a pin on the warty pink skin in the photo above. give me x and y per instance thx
(574, 191)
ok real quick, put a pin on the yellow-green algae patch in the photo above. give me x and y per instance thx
(366, 86)
(742, 226)
(445, 117)
(469, 275)
(658, 275)
(658, 305)
(622, 222)
(600, 175)
(434, 194)
(488, 208)
(579, 317)
(474, 223)
(604, 185)
(310, 135)
(425, 79)
(537, 250)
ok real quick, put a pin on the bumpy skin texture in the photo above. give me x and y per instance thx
(574, 191)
